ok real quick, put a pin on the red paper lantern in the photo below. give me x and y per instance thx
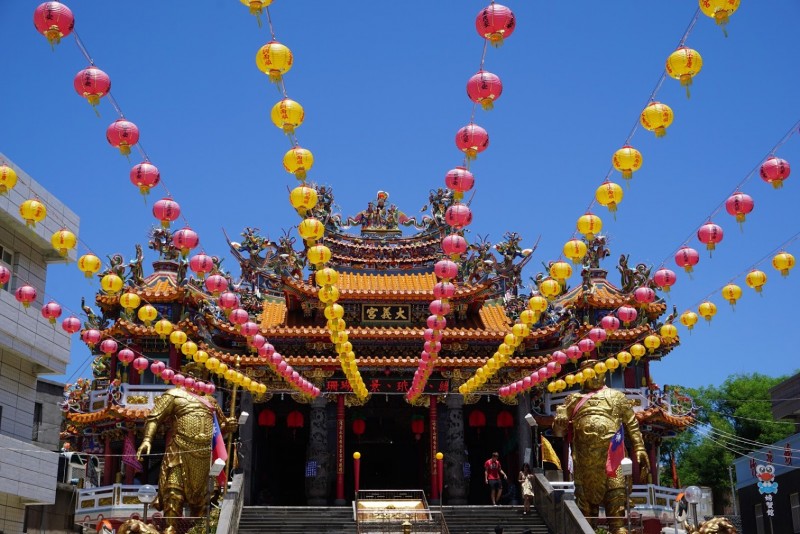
(586, 346)
(418, 427)
(126, 356)
(5, 275)
(157, 368)
(228, 301)
(294, 420)
(145, 176)
(472, 140)
(51, 311)
(626, 314)
(140, 364)
(774, 171)
(609, 323)
(644, 296)
(459, 180)
(710, 234)
(108, 347)
(664, 278)
(54, 20)
(505, 419)
(122, 134)
(71, 324)
(495, 23)
(484, 88)
(458, 215)
(444, 290)
(216, 284)
(359, 426)
(739, 205)
(687, 258)
(266, 418)
(454, 245)
(445, 269)
(90, 337)
(25, 295)
(201, 264)
(92, 84)
(477, 419)
(185, 240)
(166, 210)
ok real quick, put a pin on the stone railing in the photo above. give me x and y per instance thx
(118, 501)
(558, 508)
(231, 509)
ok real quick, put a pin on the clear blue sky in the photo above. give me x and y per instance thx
(382, 84)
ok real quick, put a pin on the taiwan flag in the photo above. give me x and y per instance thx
(218, 450)
(616, 452)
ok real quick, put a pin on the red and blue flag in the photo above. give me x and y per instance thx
(616, 452)
(218, 450)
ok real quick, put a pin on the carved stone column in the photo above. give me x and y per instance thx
(317, 451)
(245, 445)
(456, 485)
(524, 432)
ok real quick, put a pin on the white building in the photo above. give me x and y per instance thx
(29, 346)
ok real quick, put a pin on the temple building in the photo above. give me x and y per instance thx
(297, 450)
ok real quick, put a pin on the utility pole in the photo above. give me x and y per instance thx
(733, 490)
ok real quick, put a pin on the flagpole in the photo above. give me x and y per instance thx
(230, 435)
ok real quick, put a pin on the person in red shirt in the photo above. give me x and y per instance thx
(492, 473)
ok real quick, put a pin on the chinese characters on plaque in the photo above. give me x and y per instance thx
(386, 313)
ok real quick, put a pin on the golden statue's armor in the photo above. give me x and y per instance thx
(187, 459)
(594, 422)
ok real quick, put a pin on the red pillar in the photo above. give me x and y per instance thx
(340, 450)
(108, 464)
(174, 359)
(434, 450)
(654, 462)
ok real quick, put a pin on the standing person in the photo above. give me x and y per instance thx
(492, 471)
(525, 482)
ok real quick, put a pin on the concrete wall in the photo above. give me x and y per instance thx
(49, 394)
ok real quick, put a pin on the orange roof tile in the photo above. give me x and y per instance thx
(494, 318)
(273, 313)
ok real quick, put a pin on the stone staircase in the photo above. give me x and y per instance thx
(339, 520)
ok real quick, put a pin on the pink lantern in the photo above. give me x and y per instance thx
(5, 275)
(71, 324)
(126, 356)
(484, 88)
(710, 234)
(664, 278)
(458, 215)
(436, 322)
(295, 376)
(140, 364)
(189, 382)
(573, 352)
(644, 296)
(92, 84)
(249, 328)
(108, 347)
(185, 240)
(526, 382)
(503, 391)
(228, 301)
(439, 307)
(739, 205)
(774, 171)
(200, 386)
(535, 378)
(157, 368)
(281, 367)
(444, 290)
(495, 22)
(122, 134)
(51, 311)
(201, 264)
(54, 20)
(553, 368)
(25, 295)
(238, 317)
(472, 140)
(586, 346)
(598, 335)
(687, 258)
(266, 350)
(178, 379)
(145, 176)
(167, 375)
(445, 270)
(166, 210)
(424, 356)
(432, 347)
(627, 314)
(216, 283)
(288, 370)
(559, 356)
(454, 245)
(432, 335)
(459, 180)
(512, 389)
(210, 389)
(609, 323)
(258, 341)
(90, 337)
(275, 359)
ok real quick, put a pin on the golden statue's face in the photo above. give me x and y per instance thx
(594, 383)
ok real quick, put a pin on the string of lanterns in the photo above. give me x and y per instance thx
(275, 60)
(494, 24)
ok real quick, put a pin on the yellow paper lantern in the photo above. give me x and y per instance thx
(551, 387)
(298, 161)
(200, 356)
(559, 270)
(550, 288)
(529, 317)
(311, 229)
(537, 304)
(231, 376)
(221, 369)
(579, 377)
(684, 64)
(303, 198)
(732, 293)
(719, 10)
(89, 264)
(512, 340)
(609, 195)
(669, 332)
(575, 250)
(624, 357)
(569, 379)
(600, 368)
(212, 364)
(63, 241)
(256, 6)
(147, 314)
(177, 338)
(328, 294)
(326, 277)
(588, 373)
(612, 364)
(656, 118)
(589, 225)
(627, 160)
(287, 115)
(245, 381)
(561, 385)
(689, 319)
(8, 179)
(318, 255)
(275, 60)
(707, 310)
(756, 279)
(129, 301)
(111, 284)
(189, 348)
(32, 211)
(520, 331)
(262, 388)
(334, 311)
(637, 350)
(163, 328)
(783, 262)
(335, 325)
(652, 342)
(505, 349)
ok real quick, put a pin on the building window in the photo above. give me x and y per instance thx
(7, 261)
(37, 420)
(794, 500)
(759, 513)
